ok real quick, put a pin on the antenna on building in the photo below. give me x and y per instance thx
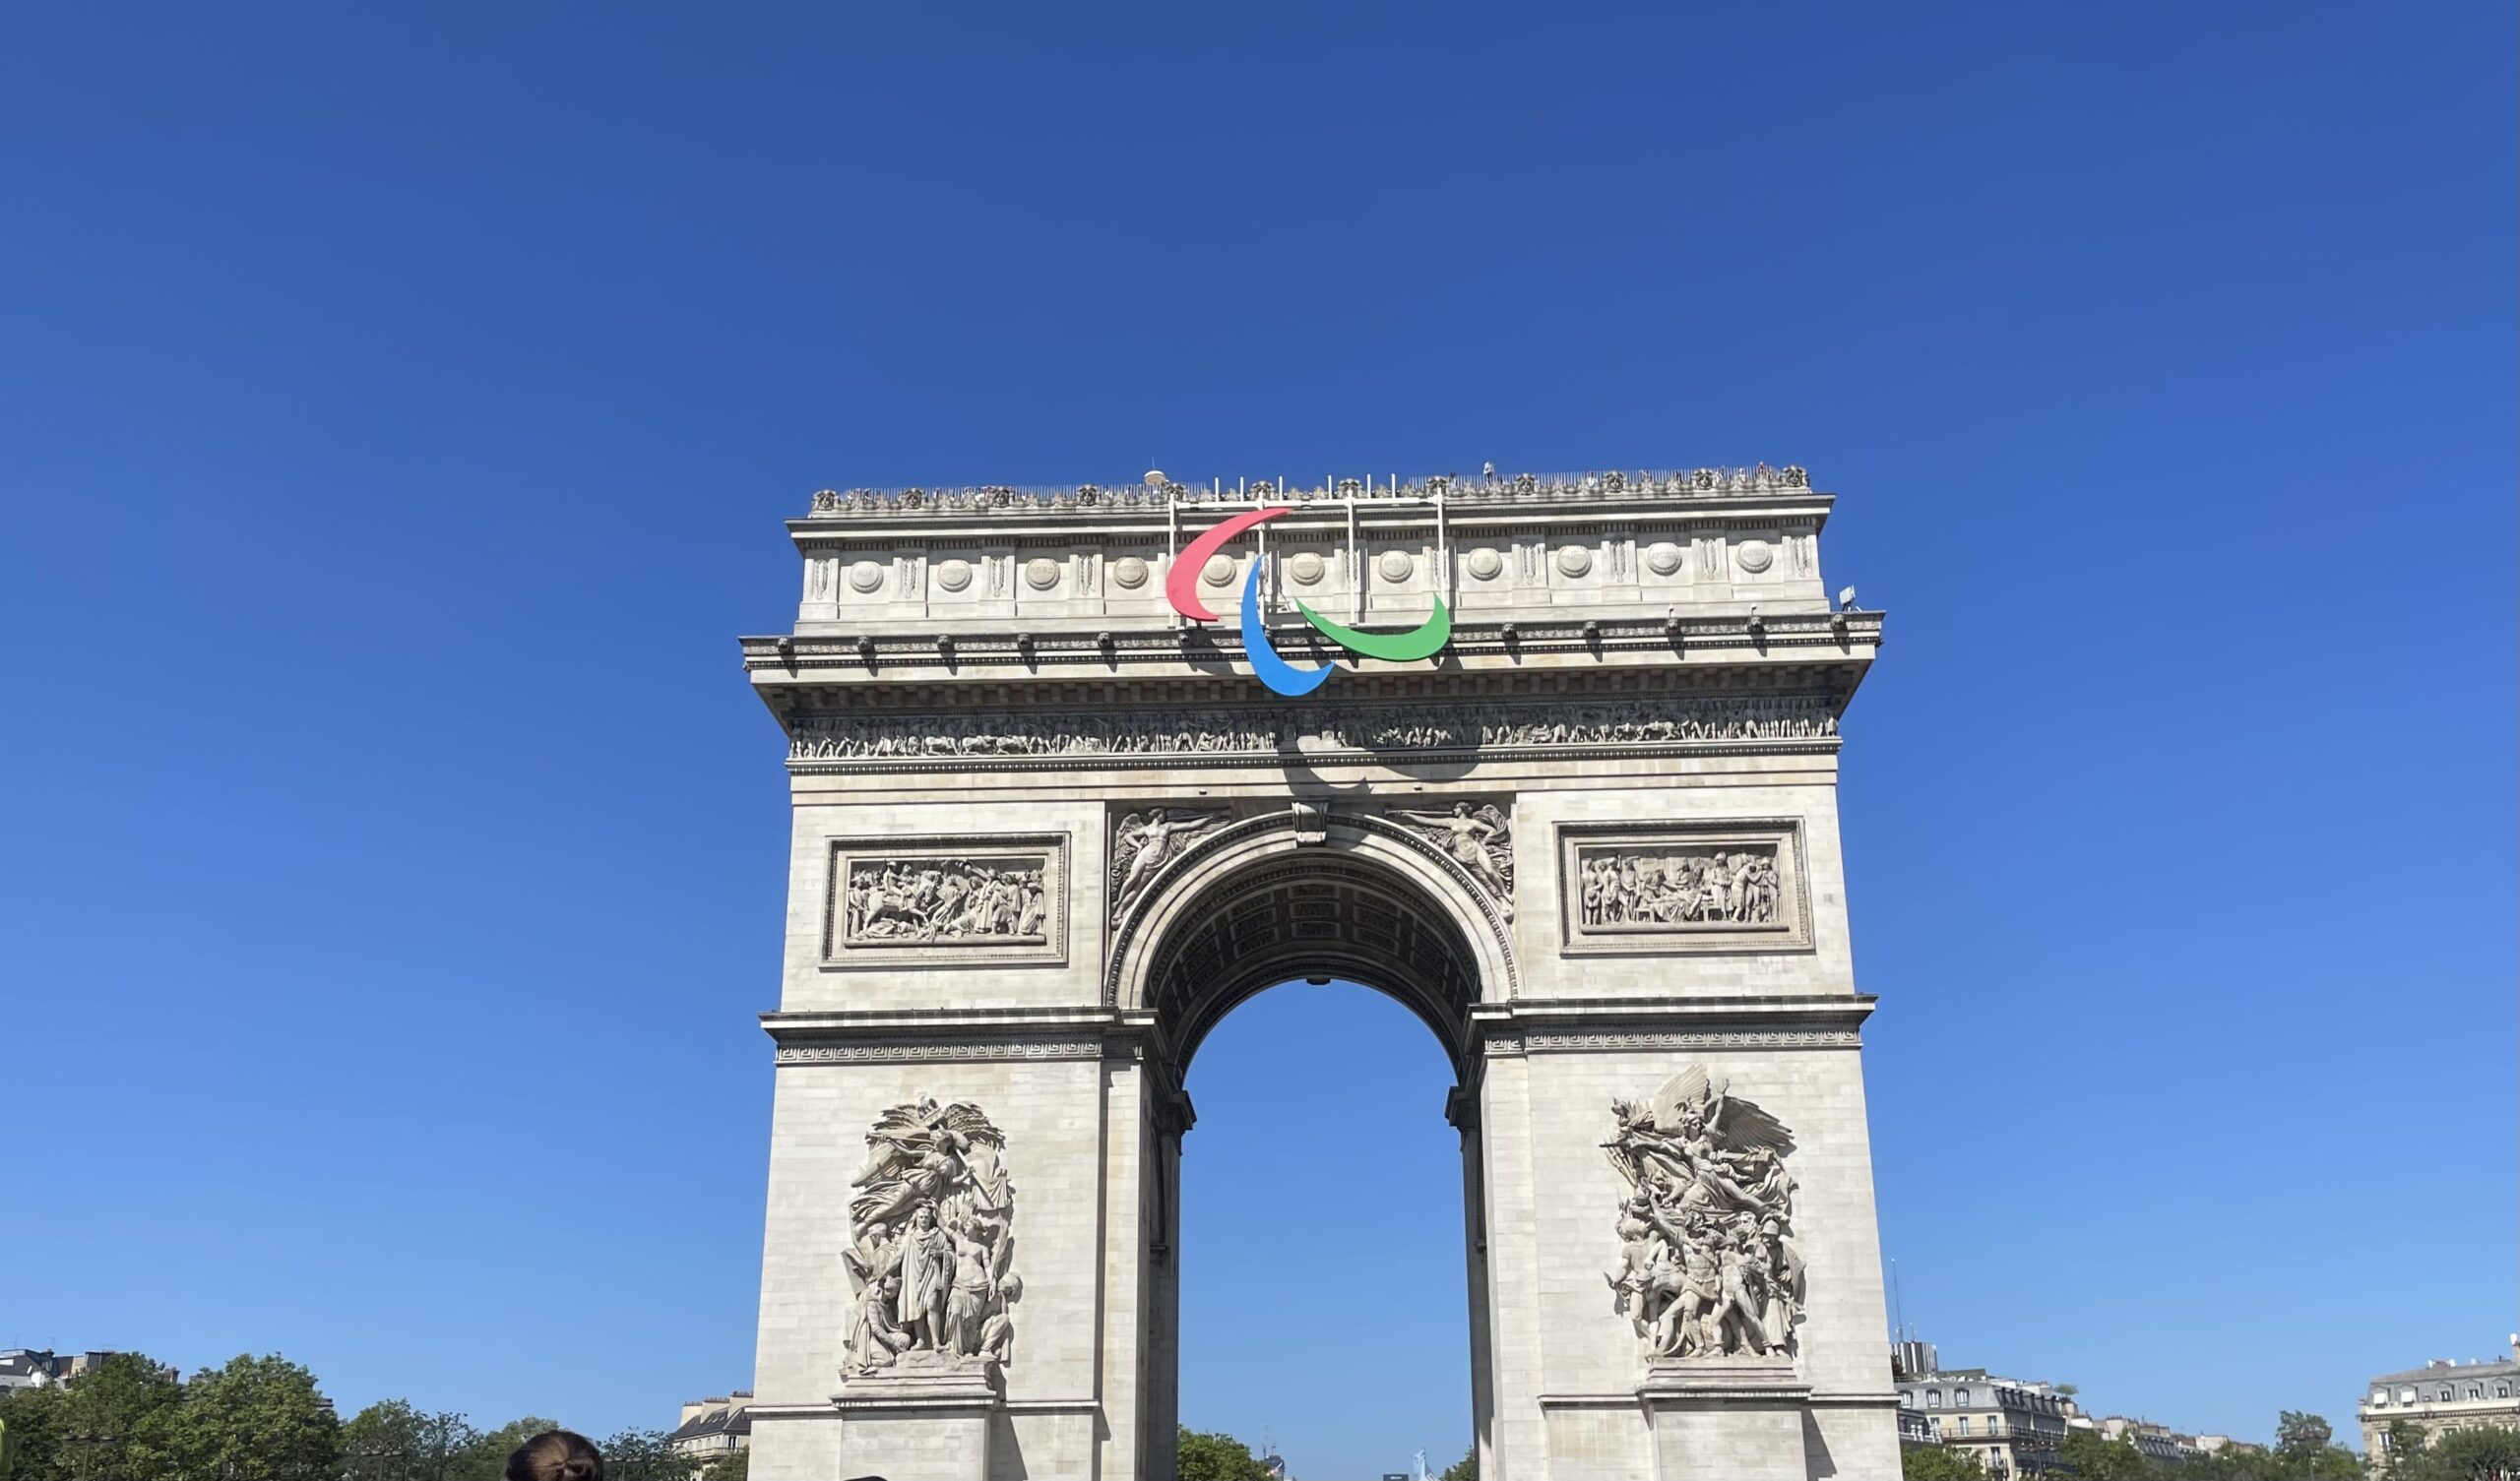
(1898, 1308)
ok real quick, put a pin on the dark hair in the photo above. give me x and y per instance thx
(556, 1456)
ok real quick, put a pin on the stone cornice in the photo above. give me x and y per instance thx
(1569, 1025)
(859, 658)
(919, 1035)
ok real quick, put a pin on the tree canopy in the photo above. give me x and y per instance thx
(1934, 1462)
(1208, 1456)
(2481, 1455)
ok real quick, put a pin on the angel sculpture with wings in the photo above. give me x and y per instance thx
(1474, 838)
(931, 1239)
(1706, 1268)
(1144, 844)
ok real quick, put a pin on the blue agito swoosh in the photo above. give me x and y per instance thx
(1276, 673)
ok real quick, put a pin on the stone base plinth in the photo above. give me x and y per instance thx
(1737, 1418)
(918, 1424)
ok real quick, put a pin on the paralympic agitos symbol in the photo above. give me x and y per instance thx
(1181, 587)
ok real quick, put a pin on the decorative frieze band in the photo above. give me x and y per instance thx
(1275, 730)
(930, 1051)
(1542, 1038)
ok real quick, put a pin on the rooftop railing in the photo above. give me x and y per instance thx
(1487, 487)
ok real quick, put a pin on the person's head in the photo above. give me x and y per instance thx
(556, 1456)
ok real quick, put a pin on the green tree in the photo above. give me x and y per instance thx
(486, 1456)
(2085, 1455)
(381, 1443)
(256, 1419)
(643, 1456)
(1207, 1456)
(2485, 1454)
(30, 1421)
(2305, 1450)
(1935, 1462)
(116, 1419)
(2401, 1454)
(735, 1468)
(1464, 1470)
(390, 1440)
(2299, 1438)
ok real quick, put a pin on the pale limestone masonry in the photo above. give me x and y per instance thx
(1643, 667)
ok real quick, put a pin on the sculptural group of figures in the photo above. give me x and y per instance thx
(1678, 889)
(1237, 730)
(1708, 1266)
(931, 1243)
(944, 899)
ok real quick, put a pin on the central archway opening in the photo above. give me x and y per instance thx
(1322, 1298)
(1309, 986)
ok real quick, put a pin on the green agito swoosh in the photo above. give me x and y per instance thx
(1422, 642)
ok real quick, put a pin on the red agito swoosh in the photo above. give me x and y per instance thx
(1181, 582)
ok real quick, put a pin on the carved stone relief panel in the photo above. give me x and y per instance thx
(1683, 887)
(1708, 1269)
(1143, 842)
(994, 897)
(1478, 836)
(931, 1245)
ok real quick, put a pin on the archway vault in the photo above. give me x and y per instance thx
(1304, 893)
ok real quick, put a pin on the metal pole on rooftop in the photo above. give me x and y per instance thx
(1355, 567)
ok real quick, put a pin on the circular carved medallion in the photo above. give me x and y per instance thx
(1041, 572)
(1754, 556)
(1305, 569)
(1395, 565)
(1218, 571)
(866, 576)
(1486, 564)
(953, 576)
(1662, 558)
(1129, 572)
(1574, 560)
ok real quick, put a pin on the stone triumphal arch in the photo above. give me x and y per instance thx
(1048, 829)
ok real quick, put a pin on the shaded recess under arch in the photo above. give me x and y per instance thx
(1306, 895)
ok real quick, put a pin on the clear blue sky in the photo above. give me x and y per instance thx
(397, 409)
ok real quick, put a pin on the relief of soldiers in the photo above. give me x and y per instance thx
(1706, 1268)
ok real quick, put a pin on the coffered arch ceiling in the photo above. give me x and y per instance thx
(1314, 914)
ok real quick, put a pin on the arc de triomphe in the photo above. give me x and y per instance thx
(1048, 829)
